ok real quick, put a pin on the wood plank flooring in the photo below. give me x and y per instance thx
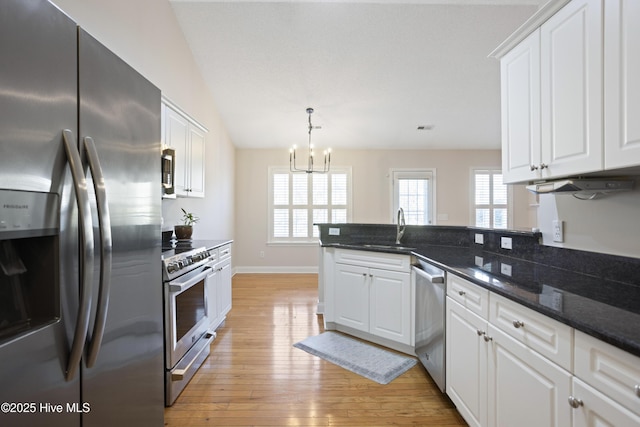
(255, 377)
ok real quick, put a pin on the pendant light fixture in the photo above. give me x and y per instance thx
(310, 165)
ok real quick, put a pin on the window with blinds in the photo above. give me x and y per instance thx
(298, 200)
(491, 199)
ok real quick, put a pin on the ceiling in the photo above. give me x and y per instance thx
(374, 71)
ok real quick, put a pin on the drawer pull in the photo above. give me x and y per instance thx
(462, 293)
(637, 388)
(487, 338)
(575, 403)
(518, 324)
(481, 333)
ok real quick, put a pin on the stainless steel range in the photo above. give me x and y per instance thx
(186, 324)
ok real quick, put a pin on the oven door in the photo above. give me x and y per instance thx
(186, 317)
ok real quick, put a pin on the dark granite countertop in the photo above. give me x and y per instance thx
(606, 309)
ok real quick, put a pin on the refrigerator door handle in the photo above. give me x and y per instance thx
(106, 250)
(86, 252)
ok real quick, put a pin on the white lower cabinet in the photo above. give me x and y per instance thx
(606, 390)
(517, 367)
(525, 389)
(219, 286)
(466, 363)
(594, 409)
(374, 300)
(352, 296)
(371, 293)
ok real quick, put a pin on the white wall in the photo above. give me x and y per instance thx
(145, 33)
(608, 224)
(371, 197)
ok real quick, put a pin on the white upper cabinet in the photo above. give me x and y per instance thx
(571, 91)
(571, 81)
(622, 83)
(188, 140)
(520, 79)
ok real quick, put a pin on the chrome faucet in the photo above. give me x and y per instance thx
(400, 226)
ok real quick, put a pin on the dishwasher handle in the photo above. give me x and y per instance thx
(432, 274)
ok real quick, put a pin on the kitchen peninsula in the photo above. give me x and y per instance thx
(601, 292)
(559, 323)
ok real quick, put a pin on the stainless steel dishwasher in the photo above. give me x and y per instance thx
(430, 320)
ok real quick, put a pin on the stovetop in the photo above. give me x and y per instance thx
(182, 257)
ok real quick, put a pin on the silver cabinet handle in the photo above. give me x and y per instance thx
(462, 293)
(86, 252)
(637, 389)
(533, 168)
(575, 403)
(104, 226)
(487, 338)
(543, 166)
(518, 324)
(480, 333)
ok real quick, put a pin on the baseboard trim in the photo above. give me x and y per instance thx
(277, 270)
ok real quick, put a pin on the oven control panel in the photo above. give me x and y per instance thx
(184, 262)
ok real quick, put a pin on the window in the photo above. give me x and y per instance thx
(298, 200)
(413, 191)
(491, 199)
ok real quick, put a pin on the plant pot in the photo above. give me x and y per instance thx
(183, 232)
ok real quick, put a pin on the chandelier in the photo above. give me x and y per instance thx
(310, 166)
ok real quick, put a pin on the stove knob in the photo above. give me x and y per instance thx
(173, 267)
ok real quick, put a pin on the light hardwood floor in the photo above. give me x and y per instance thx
(255, 377)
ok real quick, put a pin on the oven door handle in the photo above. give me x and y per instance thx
(177, 287)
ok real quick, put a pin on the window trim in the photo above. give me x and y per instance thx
(472, 195)
(420, 173)
(300, 241)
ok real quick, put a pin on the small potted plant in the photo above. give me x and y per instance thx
(185, 230)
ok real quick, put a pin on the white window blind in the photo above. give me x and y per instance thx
(298, 200)
(491, 199)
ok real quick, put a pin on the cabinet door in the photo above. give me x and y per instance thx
(177, 137)
(525, 388)
(224, 287)
(212, 298)
(352, 296)
(599, 410)
(197, 152)
(622, 83)
(520, 79)
(571, 90)
(390, 299)
(466, 363)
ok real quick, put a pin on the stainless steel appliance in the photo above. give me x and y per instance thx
(80, 306)
(430, 320)
(185, 272)
(168, 173)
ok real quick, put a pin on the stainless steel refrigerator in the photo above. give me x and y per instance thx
(80, 193)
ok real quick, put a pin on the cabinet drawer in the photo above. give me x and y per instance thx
(471, 296)
(379, 260)
(548, 337)
(609, 369)
(224, 252)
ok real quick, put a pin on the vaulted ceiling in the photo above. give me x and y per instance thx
(374, 71)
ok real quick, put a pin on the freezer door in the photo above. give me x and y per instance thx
(38, 86)
(120, 116)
